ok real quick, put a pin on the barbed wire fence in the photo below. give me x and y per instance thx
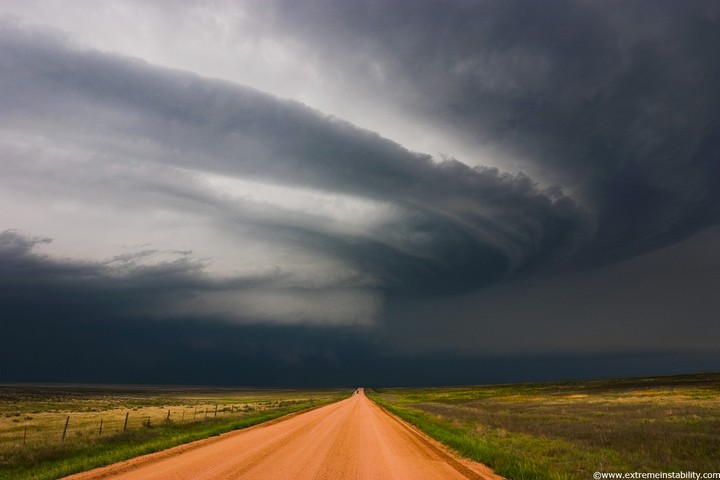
(28, 431)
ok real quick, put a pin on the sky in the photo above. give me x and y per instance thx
(327, 192)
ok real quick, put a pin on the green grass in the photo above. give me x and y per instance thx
(570, 430)
(47, 457)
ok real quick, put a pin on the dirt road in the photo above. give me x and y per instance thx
(351, 439)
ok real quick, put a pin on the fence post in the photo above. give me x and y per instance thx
(168, 416)
(216, 410)
(25, 435)
(206, 412)
(67, 420)
(100, 432)
(126, 420)
(183, 417)
(195, 415)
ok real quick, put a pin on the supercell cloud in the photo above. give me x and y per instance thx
(333, 187)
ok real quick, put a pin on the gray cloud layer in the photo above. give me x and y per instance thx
(133, 192)
(615, 100)
(458, 227)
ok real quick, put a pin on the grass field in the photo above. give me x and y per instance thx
(570, 430)
(34, 443)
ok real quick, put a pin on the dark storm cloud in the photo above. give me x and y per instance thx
(458, 227)
(70, 312)
(662, 300)
(618, 101)
(114, 289)
(192, 351)
(57, 316)
(480, 275)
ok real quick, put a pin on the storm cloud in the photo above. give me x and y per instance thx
(355, 181)
(616, 101)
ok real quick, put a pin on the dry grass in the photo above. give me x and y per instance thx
(32, 421)
(36, 415)
(574, 429)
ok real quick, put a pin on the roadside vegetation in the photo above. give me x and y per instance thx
(47, 432)
(571, 430)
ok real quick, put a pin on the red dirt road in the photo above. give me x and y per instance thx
(350, 439)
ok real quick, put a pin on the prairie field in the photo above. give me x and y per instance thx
(48, 431)
(571, 430)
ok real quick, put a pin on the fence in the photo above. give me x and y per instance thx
(42, 428)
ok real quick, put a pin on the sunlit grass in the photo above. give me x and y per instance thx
(32, 421)
(570, 430)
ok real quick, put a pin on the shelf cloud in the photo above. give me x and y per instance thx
(382, 179)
